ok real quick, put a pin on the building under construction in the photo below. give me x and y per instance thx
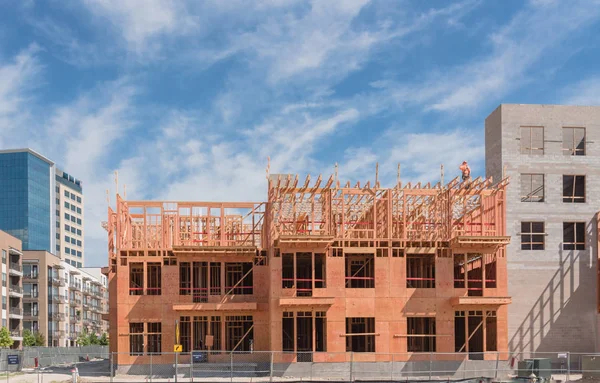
(318, 271)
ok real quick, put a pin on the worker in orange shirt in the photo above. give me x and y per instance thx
(466, 171)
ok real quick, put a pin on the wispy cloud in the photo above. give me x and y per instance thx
(533, 34)
(142, 22)
(18, 78)
(584, 92)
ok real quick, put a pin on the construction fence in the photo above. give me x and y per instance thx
(98, 365)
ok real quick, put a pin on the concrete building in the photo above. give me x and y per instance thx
(552, 155)
(340, 271)
(69, 228)
(12, 290)
(60, 300)
(41, 205)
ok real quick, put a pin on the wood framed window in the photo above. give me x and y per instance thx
(573, 142)
(532, 188)
(573, 236)
(532, 140)
(573, 189)
(532, 236)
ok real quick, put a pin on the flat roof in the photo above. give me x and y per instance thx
(28, 150)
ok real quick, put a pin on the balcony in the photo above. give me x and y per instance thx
(58, 281)
(14, 268)
(15, 313)
(30, 314)
(74, 319)
(29, 295)
(57, 316)
(30, 277)
(16, 334)
(15, 291)
(58, 333)
(75, 286)
(87, 291)
(60, 299)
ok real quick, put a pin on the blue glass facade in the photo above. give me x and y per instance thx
(25, 192)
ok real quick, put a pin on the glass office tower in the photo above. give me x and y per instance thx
(27, 186)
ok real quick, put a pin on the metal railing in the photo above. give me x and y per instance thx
(15, 289)
(30, 276)
(15, 310)
(30, 313)
(15, 266)
(95, 363)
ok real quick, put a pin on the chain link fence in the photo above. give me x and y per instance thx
(96, 364)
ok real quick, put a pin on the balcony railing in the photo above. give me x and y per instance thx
(58, 333)
(30, 295)
(30, 313)
(16, 333)
(15, 266)
(57, 316)
(74, 318)
(30, 276)
(15, 310)
(15, 289)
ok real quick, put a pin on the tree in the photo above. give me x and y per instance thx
(83, 339)
(103, 340)
(39, 340)
(93, 339)
(29, 339)
(5, 340)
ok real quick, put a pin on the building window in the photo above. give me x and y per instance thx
(154, 278)
(78, 220)
(420, 334)
(532, 188)
(57, 189)
(573, 236)
(73, 208)
(73, 230)
(532, 235)
(3, 256)
(364, 340)
(239, 333)
(79, 254)
(67, 227)
(67, 216)
(67, 250)
(79, 199)
(58, 248)
(73, 196)
(58, 213)
(58, 201)
(67, 193)
(420, 271)
(57, 223)
(573, 141)
(360, 271)
(574, 189)
(79, 243)
(78, 210)
(79, 232)
(66, 204)
(532, 140)
(154, 337)
(136, 339)
(79, 264)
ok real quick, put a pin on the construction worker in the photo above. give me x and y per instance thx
(466, 171)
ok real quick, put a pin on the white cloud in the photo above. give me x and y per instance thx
(18, 78)
(143, 22)
(584, 92)
(535, 33)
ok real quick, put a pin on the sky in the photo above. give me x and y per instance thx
(189, 100)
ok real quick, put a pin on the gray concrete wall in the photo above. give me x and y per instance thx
(553, 290)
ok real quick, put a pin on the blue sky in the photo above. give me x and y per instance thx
(188, 99)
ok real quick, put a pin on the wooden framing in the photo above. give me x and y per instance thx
(384, 228)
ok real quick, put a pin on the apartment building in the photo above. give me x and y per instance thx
(552, 155)
(60, 300)
(12, 292)
(69, 226)
(319, 271)
(41, 205)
